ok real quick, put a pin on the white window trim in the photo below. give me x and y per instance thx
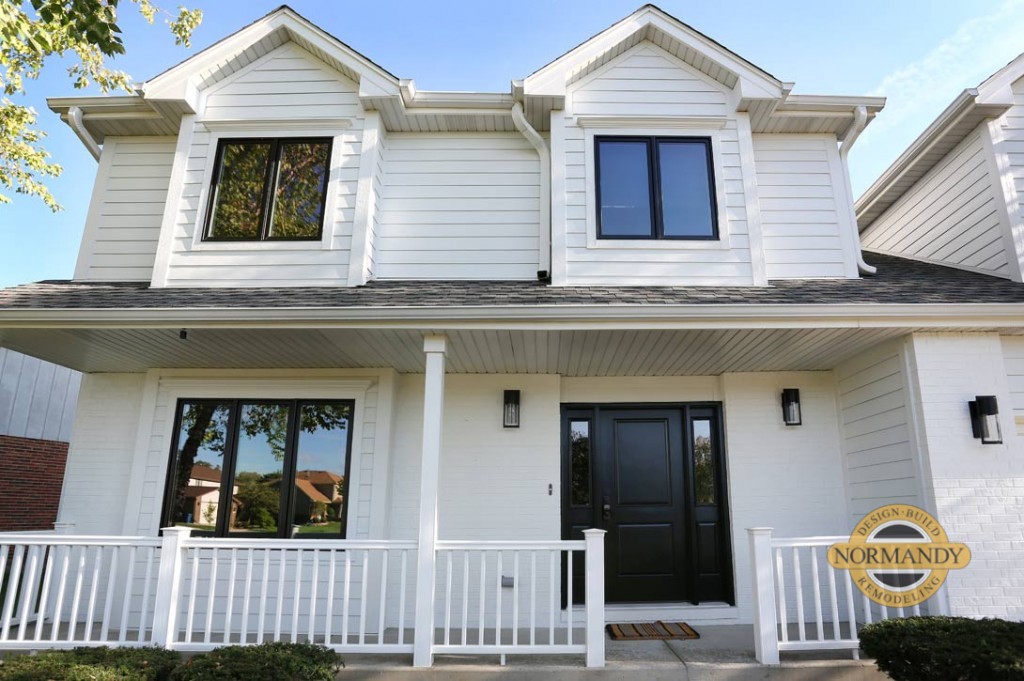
(337, 130)
(681, 129)
(268, 389)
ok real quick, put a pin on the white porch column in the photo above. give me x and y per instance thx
(433, 413)
(766, 635)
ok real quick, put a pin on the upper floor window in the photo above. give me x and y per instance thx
(266, 189)
(655, 188)
(260, 468)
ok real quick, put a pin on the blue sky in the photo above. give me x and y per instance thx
(919, 53)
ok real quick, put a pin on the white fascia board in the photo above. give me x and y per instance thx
(538, 317)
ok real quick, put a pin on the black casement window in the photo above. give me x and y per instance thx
(655, 188)
(260, 468)
(268, 189)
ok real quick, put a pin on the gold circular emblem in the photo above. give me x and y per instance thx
(899, 555)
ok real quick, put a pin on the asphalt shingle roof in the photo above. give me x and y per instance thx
(899, 282)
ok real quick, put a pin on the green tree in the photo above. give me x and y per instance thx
(33, 31)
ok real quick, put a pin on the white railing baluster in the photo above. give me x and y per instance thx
(312, 594)
(533, 598)
(76, 599)
(799, 585)
(129, 584)
(868, 615)
(144, 613)
(193, 588)
(7, 607)
(816, 582)
(91, 609)
(58, 606)
(344, 598)
(383, 596)
(555, 580)
(483, 580)
(44, 595)
(243, 630)
(115, 555)
(780, 581)
(851, 608)
(362, 598)
(465, 596)
(297, 596)
(401, 598)
(448, 599)
(27, 590)
(332, 568)
(230, 606)
(278, 613)
(499, 568)
(568, 597)
(515, 598)
(211, 596)
(264, 588)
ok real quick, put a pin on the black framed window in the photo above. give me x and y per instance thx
(268, 189)
(260, 468)
(655, 188)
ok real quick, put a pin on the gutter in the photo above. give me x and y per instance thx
(860, 121)
(544, 154)
(75, 121)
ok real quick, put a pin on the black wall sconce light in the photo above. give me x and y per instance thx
(985, 419)
(510, 413)
(791, 407)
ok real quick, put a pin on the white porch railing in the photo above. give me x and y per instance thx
(803, 603)
(507, 597)
(354, 596)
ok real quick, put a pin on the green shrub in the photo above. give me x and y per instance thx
(264, 662)
(946, 649)
(91, 664)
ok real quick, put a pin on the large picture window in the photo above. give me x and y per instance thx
(655, 188)
(260, 468)
(268, 189)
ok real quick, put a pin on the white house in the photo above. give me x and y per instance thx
(500, 320)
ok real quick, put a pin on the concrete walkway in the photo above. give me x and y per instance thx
(723, 653)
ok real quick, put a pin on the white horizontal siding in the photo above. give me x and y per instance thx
(1013, 358)
(37, 399)
(797, 196)
(1012, 145)
(949, 216)
(647, 81)
(880, 459)
(123, 224)
(458, 206)
(286, 84)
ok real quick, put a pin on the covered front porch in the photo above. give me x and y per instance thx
(440, 492)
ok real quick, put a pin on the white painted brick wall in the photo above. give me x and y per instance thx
(96, 479)
(978, 489)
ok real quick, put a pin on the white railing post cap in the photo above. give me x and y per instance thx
(176, 530)
(759, 530)
(593, 532)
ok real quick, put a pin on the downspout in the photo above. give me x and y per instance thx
(544, 155)
(860, 121)
(75, 121)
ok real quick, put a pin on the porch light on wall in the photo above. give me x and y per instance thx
(510, 418)
(985, 419)
(791, 407)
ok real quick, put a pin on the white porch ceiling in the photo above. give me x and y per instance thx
(568, 352)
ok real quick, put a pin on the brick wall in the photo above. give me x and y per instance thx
(31, 474)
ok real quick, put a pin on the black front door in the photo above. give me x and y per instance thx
(653, 477)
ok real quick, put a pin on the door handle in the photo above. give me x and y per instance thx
(606, 509)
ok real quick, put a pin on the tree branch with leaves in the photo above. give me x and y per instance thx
(34, 31)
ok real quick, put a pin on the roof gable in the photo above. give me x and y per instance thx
(224, 58)
(678, 39)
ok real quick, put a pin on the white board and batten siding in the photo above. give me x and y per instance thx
(802, 211)
(458, 206)
(37, 398)
(280, 89)
(880, 457)
(123, 224)
(646, 82)
(950, 216)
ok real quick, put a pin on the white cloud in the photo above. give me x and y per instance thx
(919, 91)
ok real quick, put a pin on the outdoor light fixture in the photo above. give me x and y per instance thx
(183, 334)
(791, 407)
(510, 413)
(985, 419)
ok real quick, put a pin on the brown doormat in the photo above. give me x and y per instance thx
(652, 631)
